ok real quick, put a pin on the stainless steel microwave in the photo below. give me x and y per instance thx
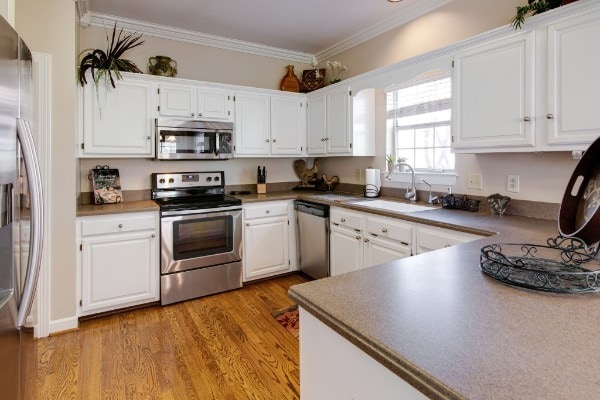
(178, 139)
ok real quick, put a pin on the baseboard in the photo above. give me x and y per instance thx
(64, 324)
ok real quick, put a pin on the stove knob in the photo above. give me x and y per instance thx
(161, 180)
(171, 180)
(217, 179)
(208, 179)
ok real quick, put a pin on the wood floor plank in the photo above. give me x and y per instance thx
(221, 347)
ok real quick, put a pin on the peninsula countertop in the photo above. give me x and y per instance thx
(439, 323)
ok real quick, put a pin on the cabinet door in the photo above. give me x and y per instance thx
(573, 84)
(493, 94)
(118, 122)
(214, 104)
(339, 122)
(346, 251)
(378, 251)
(266, 243)
(177, 101)
(288, 125)
(430, 238)
(252, 125)
(118, 271)
(317, 125)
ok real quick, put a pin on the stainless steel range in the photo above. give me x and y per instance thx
(201, 235)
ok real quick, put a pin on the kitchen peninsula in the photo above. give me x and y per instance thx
(442, 326)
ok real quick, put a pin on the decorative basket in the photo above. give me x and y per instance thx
(464, 203)
(564, 265)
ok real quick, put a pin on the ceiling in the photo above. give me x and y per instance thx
(307, 26)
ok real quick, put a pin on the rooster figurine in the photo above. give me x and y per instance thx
(304, 173)
(333, 181)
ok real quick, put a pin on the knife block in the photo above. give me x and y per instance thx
(261, 188)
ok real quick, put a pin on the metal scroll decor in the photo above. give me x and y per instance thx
(563, 265)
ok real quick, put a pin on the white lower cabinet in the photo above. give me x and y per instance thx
(357, 375)
(431, 238)
(269, 239)
(118, 261)
(359, 240)
(346, 250)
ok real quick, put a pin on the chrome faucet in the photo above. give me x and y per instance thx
(431, 198)
(411, 192)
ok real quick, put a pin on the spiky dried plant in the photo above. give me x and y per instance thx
(101, 62)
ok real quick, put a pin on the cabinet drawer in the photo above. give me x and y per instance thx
(390, 228)
(348, 219)
(114, 224)
(266, 209)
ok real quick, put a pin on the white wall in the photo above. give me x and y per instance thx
(7, 11)
(135, 173)
(50, 27)
(201, 63)
(543, 177)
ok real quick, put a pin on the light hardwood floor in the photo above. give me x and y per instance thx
(225, 346)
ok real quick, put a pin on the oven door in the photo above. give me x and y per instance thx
(195, 239)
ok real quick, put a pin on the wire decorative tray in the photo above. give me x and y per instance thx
(462, 203)
(563, 265)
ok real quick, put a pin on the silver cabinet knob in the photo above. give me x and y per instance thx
(148, 137)
(343, 220)
(322, 139)
(366, 240)
(526, 119)
(549, 116)
(120, 225)
(193, 114)
(153, 235)
(267, 140)
(274, 140)
(384, 230)
(247, 224)
(267, 211)
(358, 238)
(199, 114)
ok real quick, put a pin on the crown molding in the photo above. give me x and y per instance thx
(406, 14)
(203, 39)
(83, 10)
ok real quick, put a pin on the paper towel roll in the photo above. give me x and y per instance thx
(372, 182)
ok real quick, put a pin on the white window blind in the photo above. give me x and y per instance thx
(419, 114)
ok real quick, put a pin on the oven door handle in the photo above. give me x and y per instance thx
(175, 213)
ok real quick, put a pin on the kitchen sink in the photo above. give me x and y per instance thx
(393, 206)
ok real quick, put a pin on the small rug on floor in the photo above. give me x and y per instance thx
(289, 319)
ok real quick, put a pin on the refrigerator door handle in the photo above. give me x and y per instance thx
(37, 218)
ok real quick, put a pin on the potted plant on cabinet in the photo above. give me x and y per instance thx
(535, 7)
(102, 63)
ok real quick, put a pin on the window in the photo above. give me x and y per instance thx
(418, 117)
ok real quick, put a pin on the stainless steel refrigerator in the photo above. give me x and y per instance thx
(21, 212)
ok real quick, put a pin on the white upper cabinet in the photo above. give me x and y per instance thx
(317, 124)
(493, 94)
(118, 122)
(535, 90)
(269, 125)
(340, 123)
(195, 102)
(573, 86)
(288, 125)
(252, 124)
(339, 119)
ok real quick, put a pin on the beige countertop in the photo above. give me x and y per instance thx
(85, 210)
(439, 323)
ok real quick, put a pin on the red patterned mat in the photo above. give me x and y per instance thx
(289, 319)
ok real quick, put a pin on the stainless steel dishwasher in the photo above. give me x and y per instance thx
(313, 238)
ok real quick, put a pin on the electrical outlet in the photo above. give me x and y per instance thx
(512, 183)
(474, 181)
